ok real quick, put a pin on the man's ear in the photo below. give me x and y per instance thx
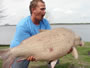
(33, 9)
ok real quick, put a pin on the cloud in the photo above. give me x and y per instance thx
(58, 11)
(15, 10)
(68, 11)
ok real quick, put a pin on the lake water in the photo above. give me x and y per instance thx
(82, 30)
(7, 32)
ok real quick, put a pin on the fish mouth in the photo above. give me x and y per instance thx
(82, 43)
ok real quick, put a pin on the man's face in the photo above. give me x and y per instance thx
(39, 11)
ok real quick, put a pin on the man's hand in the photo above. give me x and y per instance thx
(31, 58)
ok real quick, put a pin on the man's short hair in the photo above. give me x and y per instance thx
(33, 4)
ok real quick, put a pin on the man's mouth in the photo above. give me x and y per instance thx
(42, 16)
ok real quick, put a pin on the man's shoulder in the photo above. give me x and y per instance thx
(23, 21)
(45, 21)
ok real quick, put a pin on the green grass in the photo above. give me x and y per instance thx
(67, 61)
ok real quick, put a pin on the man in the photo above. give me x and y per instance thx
(28, 27)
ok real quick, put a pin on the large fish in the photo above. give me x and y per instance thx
(45, 46)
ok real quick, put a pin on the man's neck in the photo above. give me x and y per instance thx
(35, 21)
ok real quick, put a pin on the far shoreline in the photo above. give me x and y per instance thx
(56, 24)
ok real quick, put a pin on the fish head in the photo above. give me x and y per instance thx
(78, 41)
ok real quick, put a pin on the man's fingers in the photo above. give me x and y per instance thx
(31, 58)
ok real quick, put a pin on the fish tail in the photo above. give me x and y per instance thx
(6, 57)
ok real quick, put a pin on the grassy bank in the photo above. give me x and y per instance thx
(67, 61)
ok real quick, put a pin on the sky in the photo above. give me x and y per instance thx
(58, 11)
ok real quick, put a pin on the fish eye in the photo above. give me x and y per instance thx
(80, 38)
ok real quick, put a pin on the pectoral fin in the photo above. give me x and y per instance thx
(75, 53)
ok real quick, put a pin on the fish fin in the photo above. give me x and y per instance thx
(53, 63)
(6, 58)
(75, 53)
(20, 59)
(43, 30)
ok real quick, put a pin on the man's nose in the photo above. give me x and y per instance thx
(44, 11)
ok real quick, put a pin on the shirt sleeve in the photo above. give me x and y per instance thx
(47, 25)
(21, 33)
